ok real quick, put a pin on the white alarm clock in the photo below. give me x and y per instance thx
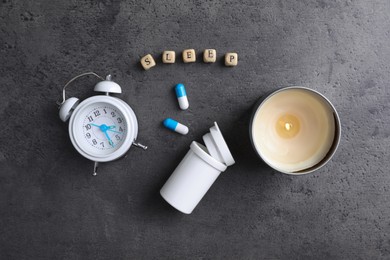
(102, 128)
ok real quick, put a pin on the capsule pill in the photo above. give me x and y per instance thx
(175, 126)
(182, 96)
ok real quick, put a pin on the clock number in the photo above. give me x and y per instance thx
(113, 114)
(120, 129)
(117, 137)
(119, 120)
(96, 113)
(88, 127)
(105, 112)
(88, 135)
(94, 142)
(90, 119)
(102, 144)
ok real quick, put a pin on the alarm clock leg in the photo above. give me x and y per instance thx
(140, 145)
(95, 168)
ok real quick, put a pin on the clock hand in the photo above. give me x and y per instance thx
(109, 128)
(104, 128)
(114, 131)
(109, 139)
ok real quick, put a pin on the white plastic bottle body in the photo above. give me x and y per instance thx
(191, 179)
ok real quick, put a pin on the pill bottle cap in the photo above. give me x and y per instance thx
(220, 145)
(212, 147)
(201, 151)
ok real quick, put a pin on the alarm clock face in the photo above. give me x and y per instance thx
(102, 128)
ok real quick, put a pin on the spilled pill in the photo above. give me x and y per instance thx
(182, 96)
(175, 126)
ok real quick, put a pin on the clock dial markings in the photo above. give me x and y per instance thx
(98, 127)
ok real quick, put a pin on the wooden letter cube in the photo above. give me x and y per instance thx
(148, 62)
(209, 55)
(231, 59)
(189, 56)
(168, 57)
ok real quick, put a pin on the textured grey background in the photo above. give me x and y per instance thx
(50, 205)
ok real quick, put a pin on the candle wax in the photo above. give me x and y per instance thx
(293, 129)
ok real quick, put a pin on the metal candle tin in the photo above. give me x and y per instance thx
(336, 139)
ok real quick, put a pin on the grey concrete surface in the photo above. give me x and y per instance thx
(52, 208)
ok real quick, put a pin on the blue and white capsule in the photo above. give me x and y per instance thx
(175, 126)
(182, 96)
